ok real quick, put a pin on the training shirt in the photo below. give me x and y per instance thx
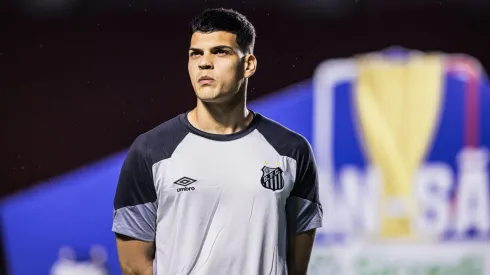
(218, 204)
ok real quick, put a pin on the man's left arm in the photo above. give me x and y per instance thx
(304, 212)
(299, 252)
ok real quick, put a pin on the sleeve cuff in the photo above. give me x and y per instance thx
(303, 215)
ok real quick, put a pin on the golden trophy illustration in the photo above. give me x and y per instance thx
(398, 104)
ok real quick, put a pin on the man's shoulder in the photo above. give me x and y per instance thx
(169, 127)
(282, 138)
(163, 138)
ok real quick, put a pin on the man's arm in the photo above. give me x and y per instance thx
(135, 256)
(135, 210)
(299, 252)
(304, 212)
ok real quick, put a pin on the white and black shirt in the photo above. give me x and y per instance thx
(218, 204)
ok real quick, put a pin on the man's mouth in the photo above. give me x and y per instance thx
(206, 80)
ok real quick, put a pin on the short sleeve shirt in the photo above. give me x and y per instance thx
(218, 204)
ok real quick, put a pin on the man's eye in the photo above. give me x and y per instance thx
(221, 52)
(194, 53)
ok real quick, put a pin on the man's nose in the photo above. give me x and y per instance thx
(206, 62)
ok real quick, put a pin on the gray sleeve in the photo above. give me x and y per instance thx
(135, 201)
(303, 208)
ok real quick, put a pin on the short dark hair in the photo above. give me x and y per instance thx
(227, 20)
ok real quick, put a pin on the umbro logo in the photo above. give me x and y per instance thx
(185, 181)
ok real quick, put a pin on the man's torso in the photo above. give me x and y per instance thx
(221, 199)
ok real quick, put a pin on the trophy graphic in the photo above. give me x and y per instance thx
(397, 104)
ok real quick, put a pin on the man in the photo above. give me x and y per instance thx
(219, 190)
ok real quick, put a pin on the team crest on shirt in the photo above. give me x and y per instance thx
(272, 178)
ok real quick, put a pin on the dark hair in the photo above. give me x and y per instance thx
(227, 20)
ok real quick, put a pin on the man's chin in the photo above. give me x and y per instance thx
(211, 97)
(212, 100)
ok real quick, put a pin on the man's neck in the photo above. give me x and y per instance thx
(221, 118)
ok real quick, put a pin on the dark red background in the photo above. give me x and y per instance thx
(78, 85)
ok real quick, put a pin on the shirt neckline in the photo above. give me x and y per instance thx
(222, 137)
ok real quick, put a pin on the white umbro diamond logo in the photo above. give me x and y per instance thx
(184, 181)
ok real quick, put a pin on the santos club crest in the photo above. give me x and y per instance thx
(272, 178)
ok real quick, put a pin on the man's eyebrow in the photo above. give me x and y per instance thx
(219, 47)
(223, 47)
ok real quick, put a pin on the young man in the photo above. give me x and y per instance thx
(219, 190)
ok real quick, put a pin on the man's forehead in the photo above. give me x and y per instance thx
(202, 40)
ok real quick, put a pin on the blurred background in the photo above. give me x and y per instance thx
(81, 79)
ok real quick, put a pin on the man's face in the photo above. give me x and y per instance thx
(217, 66)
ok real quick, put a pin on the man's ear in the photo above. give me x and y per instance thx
(250, 65)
